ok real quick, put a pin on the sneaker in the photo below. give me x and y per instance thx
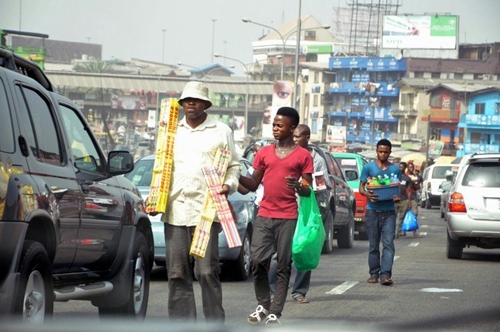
(272, 320)
(258, 316)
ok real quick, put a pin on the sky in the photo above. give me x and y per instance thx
(134, 28)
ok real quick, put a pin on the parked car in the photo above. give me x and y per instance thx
(70, 227)
(351, 165)
(235, 261)
(432, 177)
(338, 216)
(474, 206)
(444, 189)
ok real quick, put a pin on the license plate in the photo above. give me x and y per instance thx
(493, 204)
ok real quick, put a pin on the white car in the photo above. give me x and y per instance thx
(473, 209)
(432, 177)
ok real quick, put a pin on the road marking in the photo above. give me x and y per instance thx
(422, 233)
(440, 290)
(413, 244)
(424, 226)
(342, 288)
(396, 257)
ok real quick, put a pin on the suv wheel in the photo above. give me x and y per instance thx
(454, 248)
(139, 288)
(35, 300)
(328, 245)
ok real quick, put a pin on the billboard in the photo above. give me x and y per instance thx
(282, 96)
(420, 32)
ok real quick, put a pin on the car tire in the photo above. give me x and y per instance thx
(454, 248)
(35, 296)
(441, 211)
(139, 287)
(328, 244)
(240, 269)
(428, 203)
(345, 236)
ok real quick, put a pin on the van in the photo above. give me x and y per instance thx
(432, 177)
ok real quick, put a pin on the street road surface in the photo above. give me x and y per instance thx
(430, 292)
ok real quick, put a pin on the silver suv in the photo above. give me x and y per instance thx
(474, 206)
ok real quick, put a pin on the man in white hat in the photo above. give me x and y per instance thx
(197, 138)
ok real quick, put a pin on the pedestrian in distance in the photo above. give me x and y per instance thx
(407, 194)
(196, 139)
(381, 216)
(282, 164)
(301, 136)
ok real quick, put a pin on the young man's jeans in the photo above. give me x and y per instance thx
(381, 227)
(181, 299)
(272, 236)
(300, 285)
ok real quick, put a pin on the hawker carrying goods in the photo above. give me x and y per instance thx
(162, 171)
(215, 203)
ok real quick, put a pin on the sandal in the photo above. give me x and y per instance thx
(386, 281)
(372, 280)
(301, 299)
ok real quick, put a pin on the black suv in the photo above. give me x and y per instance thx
(338, 215)
(69, 227)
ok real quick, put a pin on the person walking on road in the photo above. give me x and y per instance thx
(408, 197)
(282, 164)
(381, 216)
(196, 139)
(301, 136)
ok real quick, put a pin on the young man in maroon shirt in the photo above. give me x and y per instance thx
(283, 164)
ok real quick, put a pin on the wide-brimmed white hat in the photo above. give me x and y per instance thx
(196, 90)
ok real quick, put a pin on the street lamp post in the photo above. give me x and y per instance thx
(213, 38)
(246, 20)
(163, 47)
(248, 86)
(297, 49)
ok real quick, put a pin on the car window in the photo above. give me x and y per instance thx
(439, 172)
(480, 174)
(87, 158)
(6, 134)
(39, 126)
(143, 172)
(333, 166)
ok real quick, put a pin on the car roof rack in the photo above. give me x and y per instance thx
(25, 67)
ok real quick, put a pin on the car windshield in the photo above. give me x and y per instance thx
(481, 174)
(439, 172)
(143, 173)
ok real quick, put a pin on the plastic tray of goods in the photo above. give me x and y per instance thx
(385, 192)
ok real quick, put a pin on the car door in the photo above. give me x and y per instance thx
(102, 204)
(48, 164)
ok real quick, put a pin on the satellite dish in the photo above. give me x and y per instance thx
(398, 56)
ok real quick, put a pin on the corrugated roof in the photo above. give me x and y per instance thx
(234, 85)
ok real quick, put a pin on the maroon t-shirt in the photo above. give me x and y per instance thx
(280, 202)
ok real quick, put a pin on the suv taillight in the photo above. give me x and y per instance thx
(456, 203)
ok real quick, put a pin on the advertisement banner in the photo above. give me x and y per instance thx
(282, 96)
(420, 32)
(152, 119)
(336, 135)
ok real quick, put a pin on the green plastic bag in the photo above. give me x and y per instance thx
(309, 235)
